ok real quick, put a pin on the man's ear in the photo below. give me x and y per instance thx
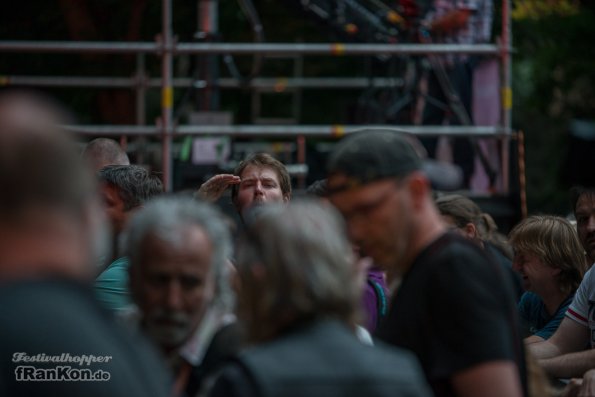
(286, 197)
(418, 186)
(470, 231)
(110, 195)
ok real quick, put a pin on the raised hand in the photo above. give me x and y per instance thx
(214, 188)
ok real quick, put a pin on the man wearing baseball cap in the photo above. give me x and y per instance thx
(451, 305)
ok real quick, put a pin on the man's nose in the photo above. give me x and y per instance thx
(174, 295)
(355, 229)
(591, 223)
(258, 188)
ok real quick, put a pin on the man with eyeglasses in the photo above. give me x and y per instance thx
(451, 305)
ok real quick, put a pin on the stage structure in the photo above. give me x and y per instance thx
(383, 36)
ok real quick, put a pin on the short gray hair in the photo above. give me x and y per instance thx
(166, 215)
(308, 268)
(135, 184)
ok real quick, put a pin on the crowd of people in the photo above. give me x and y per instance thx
(372, 285)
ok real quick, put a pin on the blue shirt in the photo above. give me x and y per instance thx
(532, 310)
(111, 286)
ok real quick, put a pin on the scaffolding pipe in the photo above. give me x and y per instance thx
(73, 82)
(79, 47)
(139, 100)
(288, 131)
(207, 66)
(276, 84)
(336, 49)
(140, 85)
(506, 105)
(167, 94)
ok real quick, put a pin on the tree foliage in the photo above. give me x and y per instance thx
(535, 9)
(554, 83)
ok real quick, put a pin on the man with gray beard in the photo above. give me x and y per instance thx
(178, 250)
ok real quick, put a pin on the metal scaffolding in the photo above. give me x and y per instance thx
(324, 49)
(166, 47)
(287, 131)
(280, 84)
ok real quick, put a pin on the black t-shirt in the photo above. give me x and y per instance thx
(453, 309)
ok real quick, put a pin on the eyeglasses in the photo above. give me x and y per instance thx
(365, 210)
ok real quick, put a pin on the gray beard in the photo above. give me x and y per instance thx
(168, 335)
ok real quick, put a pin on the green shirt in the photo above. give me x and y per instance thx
(111, 287)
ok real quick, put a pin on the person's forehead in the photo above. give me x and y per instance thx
(336, 181)
(586, 203)
(530, 256)
(188, 242)
(353, 196)
(253, 171)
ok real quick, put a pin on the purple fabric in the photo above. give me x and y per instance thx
(370, 299)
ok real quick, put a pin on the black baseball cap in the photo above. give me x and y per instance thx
(370, 155)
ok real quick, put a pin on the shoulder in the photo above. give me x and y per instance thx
(120, 264)
(343, 357)
(234, 381)
(586, 287)
(62, 317)
(451, 252)
(302, 340)
(565, 305)
(450, 243)
(530, 299)
(451, 266)
(226, 343)
(530, 306)
(589, 279)
(118, 268)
